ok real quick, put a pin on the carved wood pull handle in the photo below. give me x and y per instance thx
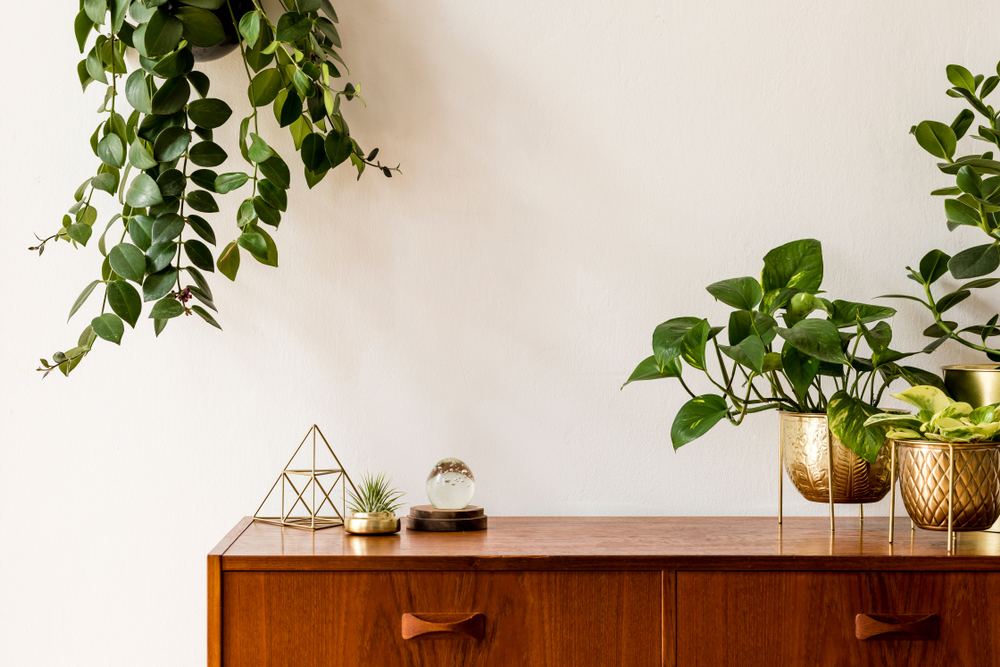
(470, 625)
(897, 626)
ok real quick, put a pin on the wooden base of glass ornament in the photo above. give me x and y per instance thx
(431, 519)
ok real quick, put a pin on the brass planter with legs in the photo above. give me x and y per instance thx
(805, 452)
(923, 479)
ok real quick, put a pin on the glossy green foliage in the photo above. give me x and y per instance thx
(158, 158)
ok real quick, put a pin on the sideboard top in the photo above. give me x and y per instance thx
(615, 543)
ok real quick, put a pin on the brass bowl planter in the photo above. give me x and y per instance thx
(805, 441)
(975, 384)
(923, 479)
(372, 523)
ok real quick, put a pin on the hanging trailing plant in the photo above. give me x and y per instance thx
(161, 167)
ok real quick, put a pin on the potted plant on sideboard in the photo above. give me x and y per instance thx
(814, 371)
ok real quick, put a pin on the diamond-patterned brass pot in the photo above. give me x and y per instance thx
(805, 440)
(923, 481)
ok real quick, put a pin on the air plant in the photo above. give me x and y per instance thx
(375, 494)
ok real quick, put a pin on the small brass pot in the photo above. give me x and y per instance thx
(805, 441)
(923, 481)
(372, 523)
(975, 384)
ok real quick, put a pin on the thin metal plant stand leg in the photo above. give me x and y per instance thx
(951, 493)
(781, 470)
(829, 452)
(892, 489)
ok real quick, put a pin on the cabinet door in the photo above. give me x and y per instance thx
(809, 618)
(323, 619)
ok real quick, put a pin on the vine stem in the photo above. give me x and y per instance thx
(246, 68)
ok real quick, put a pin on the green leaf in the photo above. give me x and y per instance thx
(960, 214)
(265, 87)
(80, 232)
(962, 122)
(205, 315)
(95, 10)
(160, 255)
(162, 34)
(166, 308)
(273, 195)
(95, 68)
(846, 416)
(229, 260)
(949, 301)
(204, 178)
(313, 151)
(328, 10)
(816, 338)
(259, 150)
(307, 5)
(140, 156)
(749, 353)
(961, 77)
(740, 325)
(272, 249)
(741, 293)
(80, 300)
(201, 27)
(254, 243)
(171, 143)
(250, 27)
(328, 29)
(166, 228)
(172, 65)
(206, 4)
(158, 285)
(125, 301)
(202, 201)
(172, 96)
(696, 418)
(925, 397)
(649, 370)
(207, 154)
(338, 148)
(171, 183)
(202, 228)
(933, 265)
(299, 129)
(937, 139)
(847, 313)
(82, 27)
(287, 108)
(293, 26)
(209, 113)
(988, 85)
(303, 84)
(143, 192)
(975, 262)
(109, 327)
(128, 262)
(969, 181)
(265, 212)
(225, 183)
(800, 369)
(140, 230)
(276, 171)
(200, 81)
(199, 279)
(797, 265)
(199, 254)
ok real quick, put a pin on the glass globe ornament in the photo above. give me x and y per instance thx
(450, 485)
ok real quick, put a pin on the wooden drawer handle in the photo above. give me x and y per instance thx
(470, 625)
(897, 626)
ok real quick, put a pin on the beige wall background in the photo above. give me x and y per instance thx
(575, 172)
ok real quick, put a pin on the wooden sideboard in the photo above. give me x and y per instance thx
(629, 592)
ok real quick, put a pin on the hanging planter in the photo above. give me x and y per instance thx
(151, 201)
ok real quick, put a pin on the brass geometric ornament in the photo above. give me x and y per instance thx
(308, 488)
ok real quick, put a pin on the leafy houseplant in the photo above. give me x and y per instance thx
(939, 418)
(374, 507)
(811, 365)
(974, 201)
(158, 165)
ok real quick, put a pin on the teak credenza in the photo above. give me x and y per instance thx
(629, 592)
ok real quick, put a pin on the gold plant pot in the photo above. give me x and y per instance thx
(975, 384)
(805, 441)
(923, 481)
(372, 523)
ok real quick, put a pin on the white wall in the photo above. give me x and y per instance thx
(575, 172)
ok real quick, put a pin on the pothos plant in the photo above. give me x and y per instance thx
(815, 363)
(974, 201)
(159, 162)
(940, 418)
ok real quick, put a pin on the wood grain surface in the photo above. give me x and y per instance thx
(808, 618)
(615, 543)
(318, 619)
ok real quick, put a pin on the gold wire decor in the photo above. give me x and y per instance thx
(305, 487)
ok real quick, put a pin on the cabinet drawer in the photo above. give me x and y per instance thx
(808, 618)
(323, 619)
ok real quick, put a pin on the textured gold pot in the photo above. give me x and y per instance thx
(372, 523)
(923, 481)
(805, 441)
(975, 384)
